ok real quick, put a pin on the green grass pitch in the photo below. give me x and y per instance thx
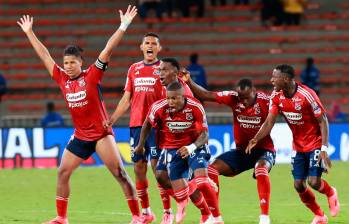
(27, 196)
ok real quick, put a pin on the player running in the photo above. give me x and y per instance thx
(82, 93)
(307, 120)
(250, 109)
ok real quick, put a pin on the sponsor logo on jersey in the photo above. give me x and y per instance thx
(293, 116)
(249, 120)
(296, 99)
(74, 97)
(178, 126)
(144, 81)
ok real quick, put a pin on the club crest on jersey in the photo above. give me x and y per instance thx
(82, 82)
(156, 72)
(257, 109)
(189, 116)
(67, 84)
(297, 106)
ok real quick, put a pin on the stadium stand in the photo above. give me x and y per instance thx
(235, 45)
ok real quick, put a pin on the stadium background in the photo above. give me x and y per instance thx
(231, 43)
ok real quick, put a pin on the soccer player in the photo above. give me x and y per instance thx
(307, 120)
(140, 94)
(250, 109)
(182, 134)
(82, 93)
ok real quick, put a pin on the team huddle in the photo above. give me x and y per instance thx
(168, 127)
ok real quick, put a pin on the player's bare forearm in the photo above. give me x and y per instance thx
(145, 131)
(121, 108)
(266, 127)
(202, 139)
(323, 121)
(41, 51)
(200, 92)
(113, 41)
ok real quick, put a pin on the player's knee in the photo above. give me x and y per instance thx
(140, 168)
(314, 183)
(120, 174)
(64, 173)
(299, 185)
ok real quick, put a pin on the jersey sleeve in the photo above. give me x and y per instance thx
(316, 106)
(200, 118)
(153, 114)
(56, 75)
(98, 69)
(227, 97)
(129, 84)
(273, 104)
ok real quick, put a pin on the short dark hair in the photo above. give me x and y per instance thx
(244, 83)
(286, 69)
(174, 86)
(194, 58)
(73, 50)
(310, 61)
(151, 34)
(172, 61)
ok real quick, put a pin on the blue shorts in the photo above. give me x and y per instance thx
(151, 150)
(305, 164)
(177, 167)
(239, 161)
(81, 148)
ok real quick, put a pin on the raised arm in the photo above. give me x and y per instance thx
(26, 23)
(263, 131)
(201, 93)
(114, 40)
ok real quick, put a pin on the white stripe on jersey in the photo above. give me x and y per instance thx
(157, 106)
(192, 102)
(307, 94)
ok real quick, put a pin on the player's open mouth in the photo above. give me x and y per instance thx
(150, 52)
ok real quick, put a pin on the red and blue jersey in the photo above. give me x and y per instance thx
(301, 112)
(84, 100)
(177, 129)
(247, 120)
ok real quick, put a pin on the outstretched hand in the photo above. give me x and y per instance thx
(127, 18)
(26, 23)
(251, 144)
(185, 75)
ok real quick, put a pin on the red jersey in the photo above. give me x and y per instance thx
(247, 120)
(301, 112)
(177, 129)
(83, 98)
(141, 79)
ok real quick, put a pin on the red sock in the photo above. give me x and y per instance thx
(201, 204)
(213, 175)
(133, 205)
(209, 194)
(308, 198)
(142, 193)
(192, 186)
(181, 194)
(61, 206)
(165, 198)
(325, 188)
(263, 187)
